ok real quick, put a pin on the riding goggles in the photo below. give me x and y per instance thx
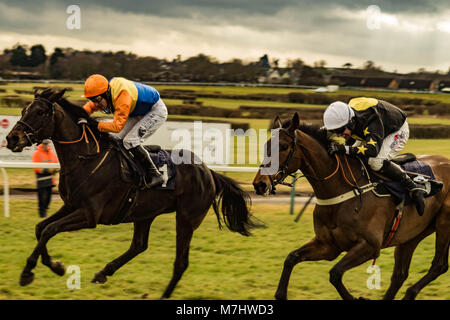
(96, 99)
(340, 130)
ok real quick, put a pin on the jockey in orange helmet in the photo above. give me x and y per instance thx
(138, 112)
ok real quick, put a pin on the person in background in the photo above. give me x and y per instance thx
(45, 177)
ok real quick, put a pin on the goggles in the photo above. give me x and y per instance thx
(340, 130)
(96, 99)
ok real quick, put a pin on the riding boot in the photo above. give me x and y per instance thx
(416, 192)
(152, 176)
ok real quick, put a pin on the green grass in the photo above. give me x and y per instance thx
(223, 265)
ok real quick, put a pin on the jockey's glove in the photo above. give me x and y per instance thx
(338, 148)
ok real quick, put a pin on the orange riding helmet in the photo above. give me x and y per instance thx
(95, 85)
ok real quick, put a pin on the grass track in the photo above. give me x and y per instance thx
(223, 265)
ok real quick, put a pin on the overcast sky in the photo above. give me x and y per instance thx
(397, 35)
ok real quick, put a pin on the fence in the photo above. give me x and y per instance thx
(30, 165)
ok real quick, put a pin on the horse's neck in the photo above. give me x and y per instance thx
(66, 130)
(318, 166)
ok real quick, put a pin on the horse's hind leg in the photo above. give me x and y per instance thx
(440, 261)
(312, 251)
(403, 255)
(71, 222)
(184, 236)
(138, 245)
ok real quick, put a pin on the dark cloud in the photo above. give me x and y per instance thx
(186, 8)
(319, 29)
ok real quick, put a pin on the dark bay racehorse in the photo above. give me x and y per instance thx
(91, 187)
(356, 226)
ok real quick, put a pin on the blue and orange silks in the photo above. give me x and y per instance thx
(129, 99)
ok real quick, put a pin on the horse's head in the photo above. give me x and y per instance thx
(283, 142)
(37, 122)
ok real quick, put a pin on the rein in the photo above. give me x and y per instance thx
(83, 135)
(284, 168)
(357, 190)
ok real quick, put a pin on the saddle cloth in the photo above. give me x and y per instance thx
(419, 171)
(131, 171)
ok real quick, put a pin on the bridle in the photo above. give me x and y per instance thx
(283, 170)
(34, 133)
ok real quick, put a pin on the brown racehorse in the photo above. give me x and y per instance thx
(361, 232)
(93, 191)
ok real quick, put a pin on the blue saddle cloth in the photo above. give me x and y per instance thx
(422, 174)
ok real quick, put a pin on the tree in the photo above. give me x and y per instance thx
(320, 64)
(19, 57)
(58, 53)
(347, 65)
(37, 55)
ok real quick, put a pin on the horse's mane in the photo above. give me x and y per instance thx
(75, 111)
(315, 131)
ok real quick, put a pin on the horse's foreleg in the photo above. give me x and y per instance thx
(312, 251)
(403, 255)
(56, 266)
(184, 236)
(138, 245)
(74, 221)
(357, 255)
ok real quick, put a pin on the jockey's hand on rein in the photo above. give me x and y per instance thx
(336, 148)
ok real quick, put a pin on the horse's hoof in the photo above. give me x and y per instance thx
(280, 296)
(362, 298)
(26, 278)
(99, 278)
(58, 268)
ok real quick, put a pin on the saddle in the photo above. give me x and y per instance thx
(419, 171)
(132, 172)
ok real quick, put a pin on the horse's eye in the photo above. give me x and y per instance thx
(283, 147)
(40, 112)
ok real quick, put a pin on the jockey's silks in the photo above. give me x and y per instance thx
(129, 99)
(143, 97)
(374, 121)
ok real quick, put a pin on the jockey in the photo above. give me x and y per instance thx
(375, 130)
(138, 112)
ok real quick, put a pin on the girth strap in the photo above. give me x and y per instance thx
(346, 196)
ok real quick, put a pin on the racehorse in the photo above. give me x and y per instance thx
(359, 224)
(92, 189)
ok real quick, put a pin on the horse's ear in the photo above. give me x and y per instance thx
(57, 95)
(37, 93)
(277, 123)
(295, 121)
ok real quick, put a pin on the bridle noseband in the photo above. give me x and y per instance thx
(283, 170)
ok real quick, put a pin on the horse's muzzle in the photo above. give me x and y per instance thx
(16, 142)
(262, 188)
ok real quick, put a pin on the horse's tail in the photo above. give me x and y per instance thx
(234, 204)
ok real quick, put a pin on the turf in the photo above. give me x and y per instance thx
(223, 265)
